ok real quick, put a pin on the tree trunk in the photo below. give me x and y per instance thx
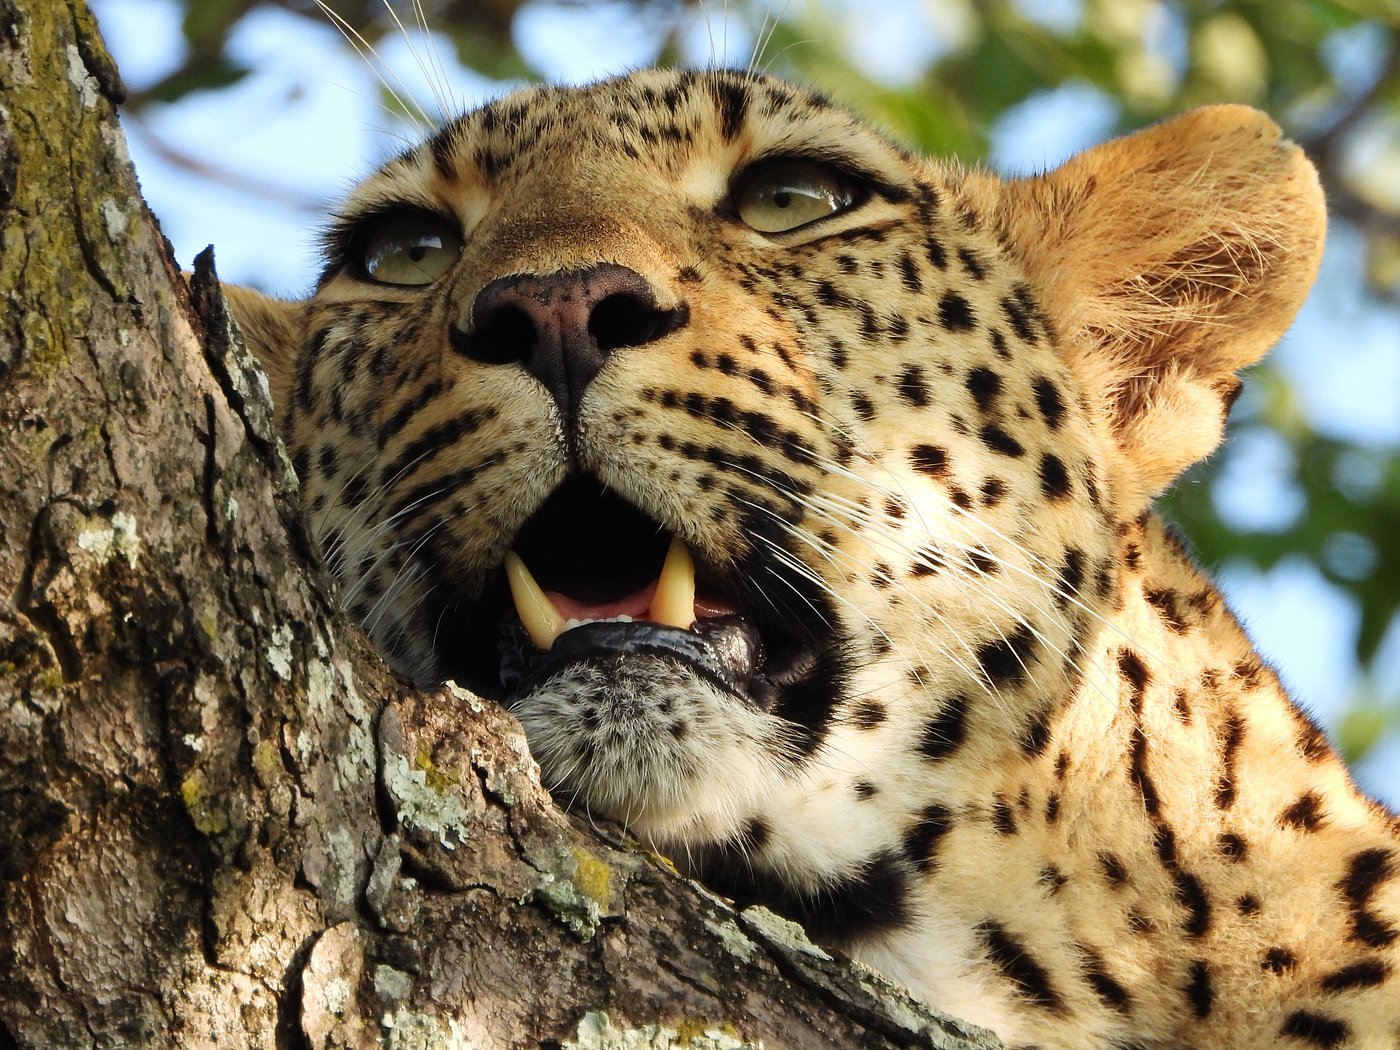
(221, 822)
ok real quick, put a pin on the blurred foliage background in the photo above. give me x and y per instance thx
(1311, 485)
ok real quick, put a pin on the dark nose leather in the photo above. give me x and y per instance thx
(562, 327)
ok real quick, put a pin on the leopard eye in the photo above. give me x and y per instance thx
(410, 249)
(776, 198)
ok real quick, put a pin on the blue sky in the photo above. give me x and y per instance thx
(308, 122)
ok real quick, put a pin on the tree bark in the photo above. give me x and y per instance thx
(221, 822)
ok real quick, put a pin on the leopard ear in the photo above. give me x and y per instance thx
(272, 328)
(1166, 261)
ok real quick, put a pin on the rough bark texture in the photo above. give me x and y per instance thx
(221, 822)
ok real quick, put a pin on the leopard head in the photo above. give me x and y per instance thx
(825, 446)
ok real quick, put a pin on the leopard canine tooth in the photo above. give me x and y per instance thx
(539, 617)
(673, 604)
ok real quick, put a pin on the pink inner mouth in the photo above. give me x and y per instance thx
(635, 605)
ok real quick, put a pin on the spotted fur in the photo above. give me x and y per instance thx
(1029, 764)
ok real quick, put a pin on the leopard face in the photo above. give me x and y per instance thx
(794, 492)
(858, 427)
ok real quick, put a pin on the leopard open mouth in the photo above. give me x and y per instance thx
(590, 576)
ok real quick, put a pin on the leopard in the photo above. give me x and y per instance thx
(796, 493)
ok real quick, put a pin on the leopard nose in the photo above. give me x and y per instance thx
(562, 327)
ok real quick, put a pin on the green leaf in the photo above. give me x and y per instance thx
(209, 75)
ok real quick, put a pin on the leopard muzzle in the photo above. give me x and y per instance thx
(642, 674)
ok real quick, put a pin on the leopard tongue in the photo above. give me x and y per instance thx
(669, 601)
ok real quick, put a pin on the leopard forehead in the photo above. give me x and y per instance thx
(662, 130)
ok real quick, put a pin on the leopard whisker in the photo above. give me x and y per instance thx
(434, 72)
(377, 66)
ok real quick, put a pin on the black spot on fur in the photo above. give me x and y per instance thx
(921, 839)
(1199, 989)
(971, 264)
(865, 790)
(1034, 739)
(868, 714)
(1248, 904)
(755, 834)
(1190, 894)
(1071, 575)
(442, 437)
(443, 148)
(1131, 667)
(929, 459)
(1054, 479)
(1278, 961)
(999, 440)
(945, 732)
(1232, 847)
(1110, 992)
(1019, 318)
(909, 273)
(1166, 603)
(356, 491)
(1312, 741)
(1019, 967)
(955, 313)
(829, 295)
(1305, 814)
(1364, 974)
(980, 560)
(1052, 878)
(984, 385)
(732, 100)
(999, 346)
(928, 561)
(1315, 1029)
(1135, 673)
(913, 388)
(935, 253)
(1231, 737)
(1007, 660)
(1113, 869)
(1002, 817)
(1366, 872)
(869, 323)
(1048, 401)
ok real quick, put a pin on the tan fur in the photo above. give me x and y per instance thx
(1032, 768)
